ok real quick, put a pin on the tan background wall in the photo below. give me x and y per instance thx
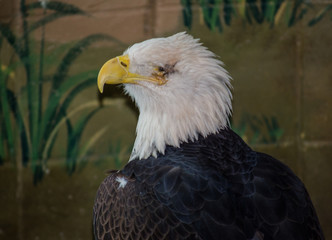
(282, 71)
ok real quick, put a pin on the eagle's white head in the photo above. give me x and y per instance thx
(181, 89)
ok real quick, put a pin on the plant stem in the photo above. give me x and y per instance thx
(32, 83)
(41, 68)
(6, 112)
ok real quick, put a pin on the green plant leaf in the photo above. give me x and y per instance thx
(88, 146)
(241, 8)
(38, 173)
(2, 142)
(273, 129)
(320, 15)
(73, 93)
(61, 9)
(12, 99)
(73, 53)
(210, 9)
(53, 117)
(288, 13)
(93, 140)
(12, 40)
(254, 10)
(49, 119)
(74, 135)
(47, 19)
(270, 10)
(241, 127)
(187, 13)
(56, 6)
(293, 17)
(50, 140)
(5, 110)
(228, 11)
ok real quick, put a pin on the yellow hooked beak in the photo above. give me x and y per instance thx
(116, 71)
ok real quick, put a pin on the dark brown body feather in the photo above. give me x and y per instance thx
(213, 188)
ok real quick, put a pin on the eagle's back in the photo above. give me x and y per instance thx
(213, 188)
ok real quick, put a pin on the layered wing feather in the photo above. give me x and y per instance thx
(133, 212)
(213, 188)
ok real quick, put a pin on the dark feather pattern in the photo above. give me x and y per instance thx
(213, 188)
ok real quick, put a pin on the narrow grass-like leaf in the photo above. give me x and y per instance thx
(56, 6)
(215, 15)
(273, 129)
(270, 10)
(241, 8)
(302, 13)
(254, 10)
(320, 15)
(5, 109)
(116, 155)
(49, 120)
(20, 128)
(117, 152)
(2, 141)
(88, 146)
(71, 148)
(288, 12)
(255, 125)
(187, 13)
(73, 53)
(93, 140)
(263, 4)
(34, 105)
(61, 9)
(2, 133)
(248, 15)
(28, 128)
(228, 11)
(280, 11)
(12, 40)
(75, 133)
(205, 12)
(52, 136)
(210, 10)
(73, 93)
(38, 173)
(284, 12)
(293, 17)
(32, 87)
(49, 134)
(241, 128)
(47, 19)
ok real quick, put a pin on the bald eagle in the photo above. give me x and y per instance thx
(189, 175)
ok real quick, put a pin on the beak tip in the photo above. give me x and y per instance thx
(100, 85)
(101, 88)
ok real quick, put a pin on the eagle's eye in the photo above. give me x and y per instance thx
(161, 69)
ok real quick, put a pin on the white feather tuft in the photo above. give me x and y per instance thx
(122, 182)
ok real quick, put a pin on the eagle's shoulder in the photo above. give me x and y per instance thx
(126, 208)
(213, 187)
(282, 202)
(201, 181)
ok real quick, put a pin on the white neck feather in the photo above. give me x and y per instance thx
(195, 101)
(173, 119)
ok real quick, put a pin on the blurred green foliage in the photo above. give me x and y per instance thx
(217, 13)
(258, 129)
(28, 124)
